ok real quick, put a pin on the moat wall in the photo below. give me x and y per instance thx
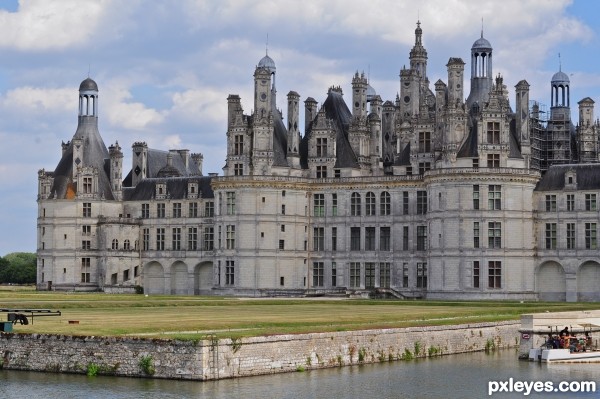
(227, 358)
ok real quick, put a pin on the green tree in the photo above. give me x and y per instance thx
(18, 268)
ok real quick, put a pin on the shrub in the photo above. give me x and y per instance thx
(147, 365)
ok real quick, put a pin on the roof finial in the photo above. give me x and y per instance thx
(482, 27)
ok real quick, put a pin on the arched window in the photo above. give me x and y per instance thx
(115, 244)
(385, 204)
(370, 204)
(355, 204)
(126, 245)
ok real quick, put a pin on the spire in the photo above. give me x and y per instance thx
(482, 27)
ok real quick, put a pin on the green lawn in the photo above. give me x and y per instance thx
(192, 317)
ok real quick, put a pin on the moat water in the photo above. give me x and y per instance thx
(455, 376)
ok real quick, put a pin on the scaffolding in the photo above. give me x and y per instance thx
(550, 136)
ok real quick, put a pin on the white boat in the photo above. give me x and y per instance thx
(563, 356)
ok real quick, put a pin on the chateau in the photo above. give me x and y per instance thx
(430, 195)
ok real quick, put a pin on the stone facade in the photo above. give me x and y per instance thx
(429, 196)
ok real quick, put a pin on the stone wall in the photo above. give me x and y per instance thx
(227, 358)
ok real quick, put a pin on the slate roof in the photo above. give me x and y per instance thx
(157, 160)
(469, 147)
(176, 188)
(404, 158)
(279, 140)
(587, 177)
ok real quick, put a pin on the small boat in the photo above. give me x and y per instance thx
(545, 355)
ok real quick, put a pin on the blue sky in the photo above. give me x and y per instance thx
(165, 67)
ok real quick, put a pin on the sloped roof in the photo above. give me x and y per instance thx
(279, 140)
(514, 146)
(157, 160)
(587, 177)
(469, 147)
(176, 188)
(404, 158)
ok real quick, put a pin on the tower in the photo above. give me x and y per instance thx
(418, 54)
(522, 119)
(456, 69)
(359, 95)
(481, 72)
(559, 126)
(293, 139)
(587, 132)
(116, 170)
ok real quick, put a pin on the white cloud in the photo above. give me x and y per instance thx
(40, 99)
(124, 114)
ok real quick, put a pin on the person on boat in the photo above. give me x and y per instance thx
(564, 332)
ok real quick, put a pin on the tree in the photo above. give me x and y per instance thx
(18, 268)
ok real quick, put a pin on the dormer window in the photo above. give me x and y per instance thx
(192, 190)
(570, 180)
(161, 191)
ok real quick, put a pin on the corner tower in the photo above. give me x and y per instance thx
(481, 72)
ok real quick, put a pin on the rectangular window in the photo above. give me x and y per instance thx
(86, 230)
(493, 133)
(494, 235)
(550, 235)
(283, 209)
(87, 209)
(229, 272)
(193, 209)
(591, 236)
(230, 236)
(334, 205)
(281, 245)
(421, 275)
(369, 275)
(424, 142)
(334, 238)
(321, 172)
(86, 244)
(385, 239)
(230, 202)
(145, 211)
(570, 202)
(590, 202)
(209, 238)
(476, 196)
(405, 238)
(354, 238)
(421, 238)
(421, 202)
(550, 203)
(369, 238)
(192, 238)
(385, 204)
(405, 207)
(384, 274)
(176, 239)
(146, 239)
(405, 275)
(475, 163)
(494, 274)
(176, 209)
(319, 205)
(354, 274)
(160, 239)
(238, 169)
(333, 274)
(321, 147)
(370, 204)
(476, 274)
(570, 235)
(318, 239)
(209, 209)
(475, 234)
(87, 185)
(424, 167)
(355, 206)
(86, 265)
(238, 144)
(493, 160)
(160, 210)
(494, 197)
(318, 274)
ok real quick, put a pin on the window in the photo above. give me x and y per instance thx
(192, 238)
(334, 205)
(494, 235)
(230, 236)
(493, 160)
(86, 230)
(334, 238)
(319, 239)
(282, 228)
(176, 239)
(405, 275)
(229, 272)
(354, 238)
(193, 209)
(87, 185)
(145, 211)
(86, 269)
(384, 274)
(591, 236)
(421, 275)
(177, 209)
(405, 238)
(321, 172)
(160, 239)
(493, 133)
(405, 202)
(421, 238)
(385, 239)
(319, 205)
(424, 167)
(421, 202)
(476, 274)
(87, 209)
(281, 245)
(550, 235)
(160, 210)
(230, 198)
(115, 244)
(494, 274)
(238, 144)
(146, 239)
(126, 245)
(321, 147)
(354, 275)
(385, 204)
(318, 274)
(476, 196)
(126, 275)
(570, 202)
(570, 235)
(209, 238)
(424, 142)
(370, 275)
(333, 274)
(475, 163)
(283, 209)
(494, 197)
(209, 209)
(86, 244)
(238, 169)
(370, 204)
(369, 238)
(550, 203)
(590, 202)
(475, 234)
(355, 204)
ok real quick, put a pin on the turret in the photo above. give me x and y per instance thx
(359, 95)
(116, 170)
(139, 161)
(481, 72)
(293, 139)
(456, 69)
(310, 112)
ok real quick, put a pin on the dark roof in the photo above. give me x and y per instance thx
(469, 147)
(587, 177)
(176, 188)
(404, 158)
(279, 140)
(157, 160)
(515, 147)
(88, 85)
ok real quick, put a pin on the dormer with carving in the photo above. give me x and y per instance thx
(160, 191)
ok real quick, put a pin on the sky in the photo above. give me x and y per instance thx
(164, 68)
